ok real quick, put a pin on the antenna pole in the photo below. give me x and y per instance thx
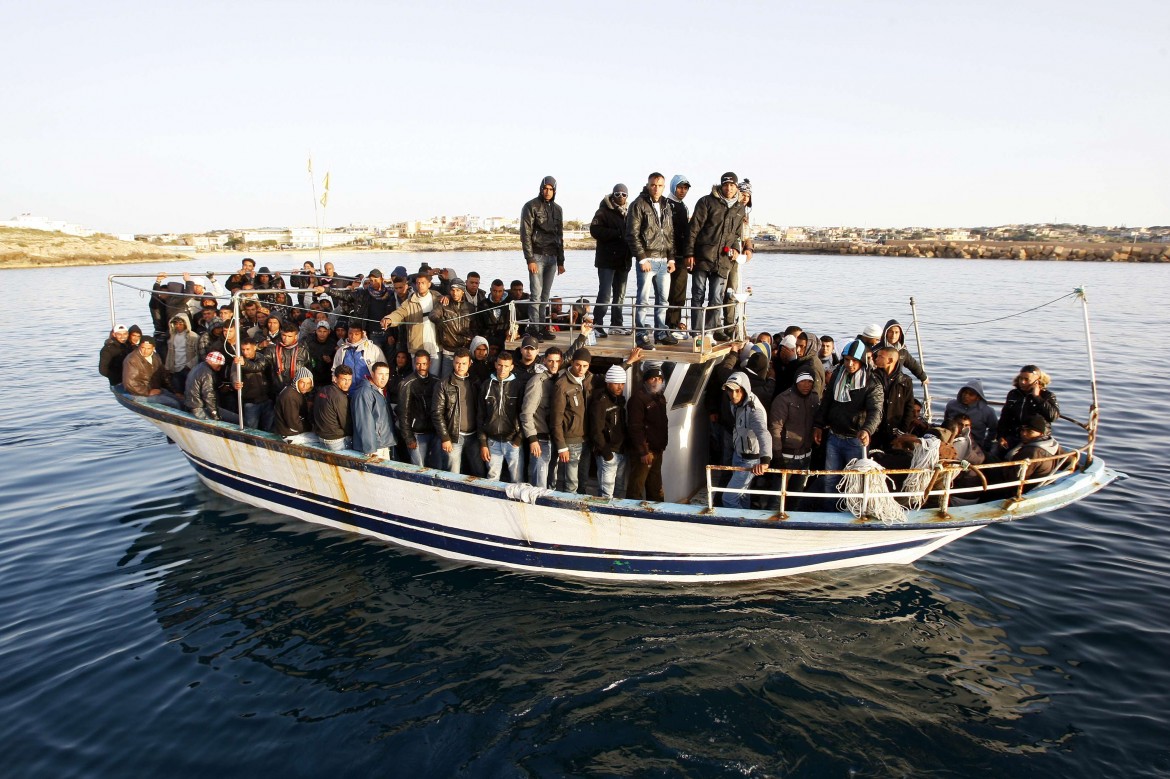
(921, 361)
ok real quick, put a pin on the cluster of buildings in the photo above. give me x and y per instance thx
(1048, 233)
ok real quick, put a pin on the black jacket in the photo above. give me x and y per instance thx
(254, 374)
(1019, 406)
(863, 411)
(284, 363)
(649, 428)
(493, 320)
(453, 324)
(201, 390)
(715, 227)
(110, 360)
(607, 424)
(446, 408)
(897, 406)
(415, 396)
(499, 411)
(292, 412)
(609, 229)
(649, 234)
(366, 304)
(542, 228)
(331, 413)
(682, 227)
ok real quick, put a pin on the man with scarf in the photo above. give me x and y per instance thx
(542, 238)
(368, 304)
(415, 315)
(612, 259)
(288, 355)
(850, 412)
(358, 353)
(677, 297)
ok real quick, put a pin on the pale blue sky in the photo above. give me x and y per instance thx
(191, 116)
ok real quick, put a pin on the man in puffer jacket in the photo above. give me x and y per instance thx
(751, 441)
(612, 258)
(850, 412)
(711, 249)
(202, 395)
(984, 420)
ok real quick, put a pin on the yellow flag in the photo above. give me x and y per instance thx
(325, 197)
(326, 181)
(310, 164)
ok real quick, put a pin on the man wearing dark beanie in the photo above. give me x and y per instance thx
(711, 250)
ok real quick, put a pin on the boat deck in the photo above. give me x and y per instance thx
(619, 346)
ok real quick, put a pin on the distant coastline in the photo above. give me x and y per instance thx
(20, 248)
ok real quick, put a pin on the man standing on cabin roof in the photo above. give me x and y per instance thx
(611, 258)
(542, 237)
(650, 234)
(679, 187)
(711, 250)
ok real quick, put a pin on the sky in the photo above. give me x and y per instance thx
(187, 117)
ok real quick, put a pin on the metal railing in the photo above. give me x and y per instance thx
(1064, 464)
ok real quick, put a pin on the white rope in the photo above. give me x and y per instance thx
(925, 458)
(868, 477)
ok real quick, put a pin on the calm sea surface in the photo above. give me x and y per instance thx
(149, 627)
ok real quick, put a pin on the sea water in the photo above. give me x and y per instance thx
(150, 627)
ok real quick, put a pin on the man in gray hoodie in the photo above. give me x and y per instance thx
(984, 420)
(751, 441)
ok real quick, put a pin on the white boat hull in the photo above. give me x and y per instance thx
(468, 519)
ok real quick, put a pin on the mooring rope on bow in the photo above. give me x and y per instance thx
(867, 492)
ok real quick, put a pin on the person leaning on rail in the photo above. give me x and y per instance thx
(294, 417)
(1029, 396)
(612, 260)
(850, 412)
(143, 376)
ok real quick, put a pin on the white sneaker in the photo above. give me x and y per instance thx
(678, 335)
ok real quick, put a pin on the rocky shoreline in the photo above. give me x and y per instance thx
(982, 250)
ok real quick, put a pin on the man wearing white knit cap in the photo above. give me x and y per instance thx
(607, 433)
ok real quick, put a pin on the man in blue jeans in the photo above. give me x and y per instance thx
(612, 260)
(607, 432)
(850, 412)
(542, 237)
(650, 235)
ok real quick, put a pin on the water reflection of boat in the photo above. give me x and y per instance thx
(360, 636)
(475, 520)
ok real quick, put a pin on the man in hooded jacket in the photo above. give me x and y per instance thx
(679, 277)
(850, 412)
(612, 259)
(751, 442)
(542, 238)
(971, 401)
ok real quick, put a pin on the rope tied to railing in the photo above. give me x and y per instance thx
(867, 493)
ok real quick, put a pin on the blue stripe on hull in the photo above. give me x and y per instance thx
(626, 563)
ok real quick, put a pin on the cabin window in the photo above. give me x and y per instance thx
(691, 389)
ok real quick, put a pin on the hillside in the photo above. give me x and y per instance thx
(20, 248)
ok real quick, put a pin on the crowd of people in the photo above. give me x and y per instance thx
(417, 367)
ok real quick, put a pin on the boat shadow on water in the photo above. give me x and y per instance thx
(509, 669)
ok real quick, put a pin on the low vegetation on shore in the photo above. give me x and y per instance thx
(20, 248)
